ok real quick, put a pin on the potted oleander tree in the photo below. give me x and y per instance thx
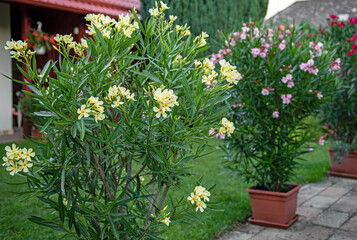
(126, 111)
(340, 116)
(285, 79)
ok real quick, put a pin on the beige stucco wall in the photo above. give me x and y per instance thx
(5, 68)
(276, 6)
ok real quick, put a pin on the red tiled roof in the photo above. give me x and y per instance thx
(108, 7)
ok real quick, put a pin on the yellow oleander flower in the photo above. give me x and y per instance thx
(67, 38)
(12, 168)
(83, 112)
(154, 12)
(186, 32)
(198, 64)
(200, 206)
(160, 112)
(10, 152)
(24, 165)
(193, 198)
(166, 221)
(99, 117)
(27, 154)
(163, 6)
(172, 19)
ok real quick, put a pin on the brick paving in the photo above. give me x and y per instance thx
(328, 211)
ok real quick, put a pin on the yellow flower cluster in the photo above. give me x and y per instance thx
(66, 41)
(156, 11)
(185, 30)
(18, 49)
(229, 72)
(17, 160)
(93, 106)
(227, 128)
(201, 39)
(107, 25)
(198, 197)
(118, 95)
(209, 74)
(166, 99)
(163, 216)
(103, 23)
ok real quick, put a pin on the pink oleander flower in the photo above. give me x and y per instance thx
(212, 131)
(255, 52)
(310, 149)
(281, 36)
(282, 45)
(275, 114)
(233, 42)
(319, 95)
(321, 141)
(265, 92)
(262, 55)
(291, 84)
(286, 98)
(336, 64)
(288, 32)
(220, 136)
(287, 78)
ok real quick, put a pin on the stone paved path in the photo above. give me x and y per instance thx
(327, 210)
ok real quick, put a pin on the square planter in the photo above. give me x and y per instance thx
(347, 168)
(274, 209)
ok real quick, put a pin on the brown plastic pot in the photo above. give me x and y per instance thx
(347, 168)
(274, 209)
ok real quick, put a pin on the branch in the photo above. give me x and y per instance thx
(163, 196)
(102, 176)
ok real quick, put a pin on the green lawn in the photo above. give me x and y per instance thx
(232, 202)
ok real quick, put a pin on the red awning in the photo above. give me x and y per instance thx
(108, 7)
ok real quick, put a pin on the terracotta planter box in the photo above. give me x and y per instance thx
(347, 168)
(274, 209)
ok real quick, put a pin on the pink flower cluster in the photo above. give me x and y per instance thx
(289, 80)
(282, 45)
(275, 114)
(287, 98)
(265, 92)
(317, 48)
(335, 64)
(216, 57)
(309, 67)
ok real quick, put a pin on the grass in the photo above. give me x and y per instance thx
(232, 201)
(15, 209)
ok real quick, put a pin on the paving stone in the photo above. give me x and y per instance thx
(344, 235)
(331, 218)
(274, 234)
(236, 236)
(312, 189)
(345, 205)
(302, 198)
(334, 192)
(313, 232)
(252, 229)
(346, 183)
(320, 202)
(352, 195)
(351, 225)
(308, 212)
